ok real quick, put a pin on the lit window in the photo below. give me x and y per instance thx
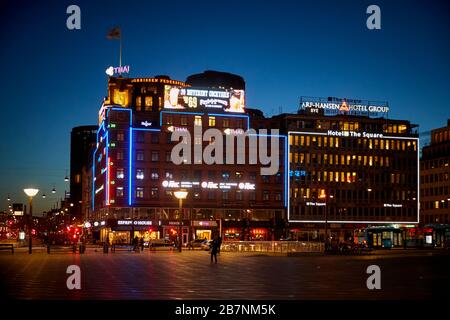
(238, 175)
(119, 192)
(140, 174)
(148, 103)
(184, 121)
(238, 195)
(119, 155)
(212, 121)
(155, 156)
(198, 140)
(154, 193)
(226, 123)
(140, 192)
(120, 136)
(198, 120)
(266, 195)
(225, 175)
(225, 194)
(278, 196)
(138, 103)
(155, 175)
(120, 173)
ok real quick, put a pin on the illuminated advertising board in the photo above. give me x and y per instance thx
(179, 98)
(333, 105)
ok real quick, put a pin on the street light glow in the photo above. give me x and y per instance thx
(31, 192)
(181, 194)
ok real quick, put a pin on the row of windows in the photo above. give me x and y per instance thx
(436, 191)
(351, 195)
(303, 212)
(436, 177)
(198, 121)
(360, 143)
(210, 195)
(439, 218)
(441, 136)
(154, 174)
(438, 204)
(351, 126)
(437, 163)
(349, 160)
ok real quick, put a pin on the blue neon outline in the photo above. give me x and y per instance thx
(130, 170)
(107, 168)
(147, 129)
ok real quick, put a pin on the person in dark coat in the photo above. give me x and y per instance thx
(141, 243)
(219, 243)
(214, 248)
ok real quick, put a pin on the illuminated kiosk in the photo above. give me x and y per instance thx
(134, 178)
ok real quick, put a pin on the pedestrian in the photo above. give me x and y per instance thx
(141, 242)
(214, 245)
(219, 243)
(135, 243)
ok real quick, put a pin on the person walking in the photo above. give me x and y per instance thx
(214, 246)
(141, 243)
(219, 243)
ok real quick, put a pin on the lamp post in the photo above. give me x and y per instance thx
(180, 195)
(30, 192)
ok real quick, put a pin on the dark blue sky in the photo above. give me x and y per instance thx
(53, 79)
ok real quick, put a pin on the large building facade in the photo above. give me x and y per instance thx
(350, 167)
(134, 174)
(82, 142)
(435, 178)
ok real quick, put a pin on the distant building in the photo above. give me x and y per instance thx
(82, 141)
(435, 178)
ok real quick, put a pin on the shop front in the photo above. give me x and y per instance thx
(204, 229)
(171, 229)
(124, 231)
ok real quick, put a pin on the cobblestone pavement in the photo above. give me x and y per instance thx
(189, 275)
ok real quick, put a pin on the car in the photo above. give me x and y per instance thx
(206, 244)
(197, 243)
(161, 243)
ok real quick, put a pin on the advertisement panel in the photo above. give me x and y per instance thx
(179, 98)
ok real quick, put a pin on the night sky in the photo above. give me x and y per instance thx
(53, 79)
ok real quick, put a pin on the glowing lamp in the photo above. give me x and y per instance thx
(181, 194)
(30, 192)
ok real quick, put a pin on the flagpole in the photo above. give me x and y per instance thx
(120, 54)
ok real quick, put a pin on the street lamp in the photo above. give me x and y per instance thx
(30, 192)
(180, 195)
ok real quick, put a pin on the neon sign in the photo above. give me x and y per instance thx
(354, 134)
(334, 105)
(110, 71)
(208, 185)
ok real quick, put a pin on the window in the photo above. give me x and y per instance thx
(198, 121)
(140, 155)
(211, 175)
(198, 140)
(155, 156)
(239, 195)
(226, 123)
(169, 120)
(155, 138)
(120, 173)
(212, 121)
(211, 195)
(154, 193)
(184, 121)
(197, 194)
(169, 175)
(168, 156)
(155, 175)
(139, 192)
(140, 174)
(238, 175)
(252, 195)
(265, 179)
(138, 103)
(120, 136)
(140, 137)
(266, 195)
(148, 103)
(119, 192)
(277, 196)
(119, 155)
(225, 194)
(252, 176)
